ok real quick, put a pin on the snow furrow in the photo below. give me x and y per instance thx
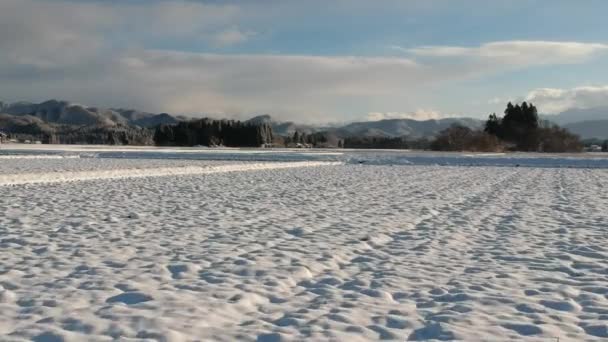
(347, 253)
(71, 176)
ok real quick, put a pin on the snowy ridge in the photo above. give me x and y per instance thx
(70, 176)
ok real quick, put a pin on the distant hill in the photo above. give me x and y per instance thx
(25, 123)
(57, 116)
(144, 119)
(382, 128)
(403, 127)
(587, 123)
(66, 113)
(285, 128)
(57, 121)
(589, 129)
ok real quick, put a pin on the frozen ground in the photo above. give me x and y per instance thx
(312, 252)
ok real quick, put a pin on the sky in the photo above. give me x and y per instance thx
(313, 61)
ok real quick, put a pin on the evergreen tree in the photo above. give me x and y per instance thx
(214, 132)
(493, 125)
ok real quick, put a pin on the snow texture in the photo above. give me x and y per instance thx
(348, 252)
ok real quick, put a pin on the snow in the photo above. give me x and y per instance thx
(35, 156)
(71, 176)
(319, 249)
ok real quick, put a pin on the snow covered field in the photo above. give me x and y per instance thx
(312, 248)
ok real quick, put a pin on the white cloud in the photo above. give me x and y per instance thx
(552, 100)
(518, 53)
(420, 114)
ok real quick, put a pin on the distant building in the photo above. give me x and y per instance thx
(594, 148)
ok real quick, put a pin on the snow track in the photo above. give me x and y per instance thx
(350, 252)
(71, 176)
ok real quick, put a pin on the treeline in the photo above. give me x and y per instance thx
(210, 132)
(518, 130)
(303, 139)
(206, 132)
(460, 138)
(330, 140)
(118, 135)
(386, 143)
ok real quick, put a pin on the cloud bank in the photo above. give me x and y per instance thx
(107, 54)
(518, 53)
(553, 101)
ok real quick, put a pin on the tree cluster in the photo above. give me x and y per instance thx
(210, 132)
(519, 126)
(100, 135)
(460, 138)
(518, 130)
(317, 139)
(522, 130)
(385, 143)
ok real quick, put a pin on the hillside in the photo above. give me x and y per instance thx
(285, 128)
(403, 127)
(590, 129)
(66, 113)
(383, 128)
(54, 115)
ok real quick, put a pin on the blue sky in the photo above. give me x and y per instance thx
(309, 61)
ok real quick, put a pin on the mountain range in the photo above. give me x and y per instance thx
(383, 128)
(588, 123)
(45, 116)
(66, 113)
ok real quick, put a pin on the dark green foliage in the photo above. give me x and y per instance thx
(521, 129)
(493, 125)
(605, 146)
(99, 135)
(518, 126)
(210, 132)
(376, 142)
(385, 143)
